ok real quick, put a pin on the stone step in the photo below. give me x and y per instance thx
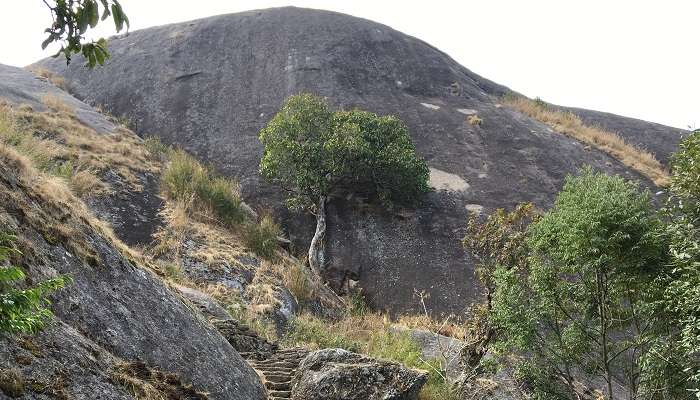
(278, 385)
(279, 394)
(277, 378)
(279, 364)
(277, 370)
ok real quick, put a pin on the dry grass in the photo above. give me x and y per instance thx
(56, 141)
(57, 105)
(146, 383)
(571, 125)
(56, 80)
(474, 120)
(296, 278)
(63, 218)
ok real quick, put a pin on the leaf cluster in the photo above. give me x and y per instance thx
(313, 151)
(23, 310)
(71, 20)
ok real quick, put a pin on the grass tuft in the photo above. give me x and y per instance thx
(571, 125)
(262, 237)
(186, 180)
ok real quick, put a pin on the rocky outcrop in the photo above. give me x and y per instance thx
(115, 310)
(336, 374)
(210, 85)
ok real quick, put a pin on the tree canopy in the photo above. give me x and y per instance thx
(71, 20)
(313, 151)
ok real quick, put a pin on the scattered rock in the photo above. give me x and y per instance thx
(336, 374)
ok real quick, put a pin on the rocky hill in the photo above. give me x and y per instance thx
(210, 85)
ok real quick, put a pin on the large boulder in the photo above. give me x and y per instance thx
(210, 85)
(337, 374)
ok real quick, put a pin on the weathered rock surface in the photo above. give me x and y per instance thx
(114, 310)
(210, 85)
(336, 374)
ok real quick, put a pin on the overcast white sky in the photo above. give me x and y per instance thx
(631, 57)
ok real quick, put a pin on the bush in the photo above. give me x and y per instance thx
(156, 147)
(297, 280)
(262, 237)
(187, 181)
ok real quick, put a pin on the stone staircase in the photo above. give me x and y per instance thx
(277, 370)
(275, 366)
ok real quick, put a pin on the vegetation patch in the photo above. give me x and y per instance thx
(370, 334)
(569, 124)
(186, 180)
(262, 237)
(147, 383)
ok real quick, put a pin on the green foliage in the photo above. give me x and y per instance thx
(579, 303)
(685, 181)
(186, 180)
(314, 332)
(376, 341)
(675, 358)
(71, 20)
(313, 151)
(22, 310)
(156, 147)
(262, 237)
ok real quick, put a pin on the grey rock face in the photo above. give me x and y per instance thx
(114, 305)
(210, 85)
(336, 374)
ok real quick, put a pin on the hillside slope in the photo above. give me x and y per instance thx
(118, 322)
(210, 85)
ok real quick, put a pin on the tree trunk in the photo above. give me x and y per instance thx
(317, 247)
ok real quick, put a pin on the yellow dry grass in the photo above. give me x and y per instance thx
(56, 140)
(571, 125)
(56, 80)
(57, 105)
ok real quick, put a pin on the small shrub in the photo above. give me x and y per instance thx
(156, 147)
(297, 280)
(475, 120)
(186, 180)
(357, 305)
(63, 170)
(262, 237)
(221, 196)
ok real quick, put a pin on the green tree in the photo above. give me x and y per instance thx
(71, 20)
(578, 306)
(315, 153)
(498, 241)
(22, 310)
(675, 357)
